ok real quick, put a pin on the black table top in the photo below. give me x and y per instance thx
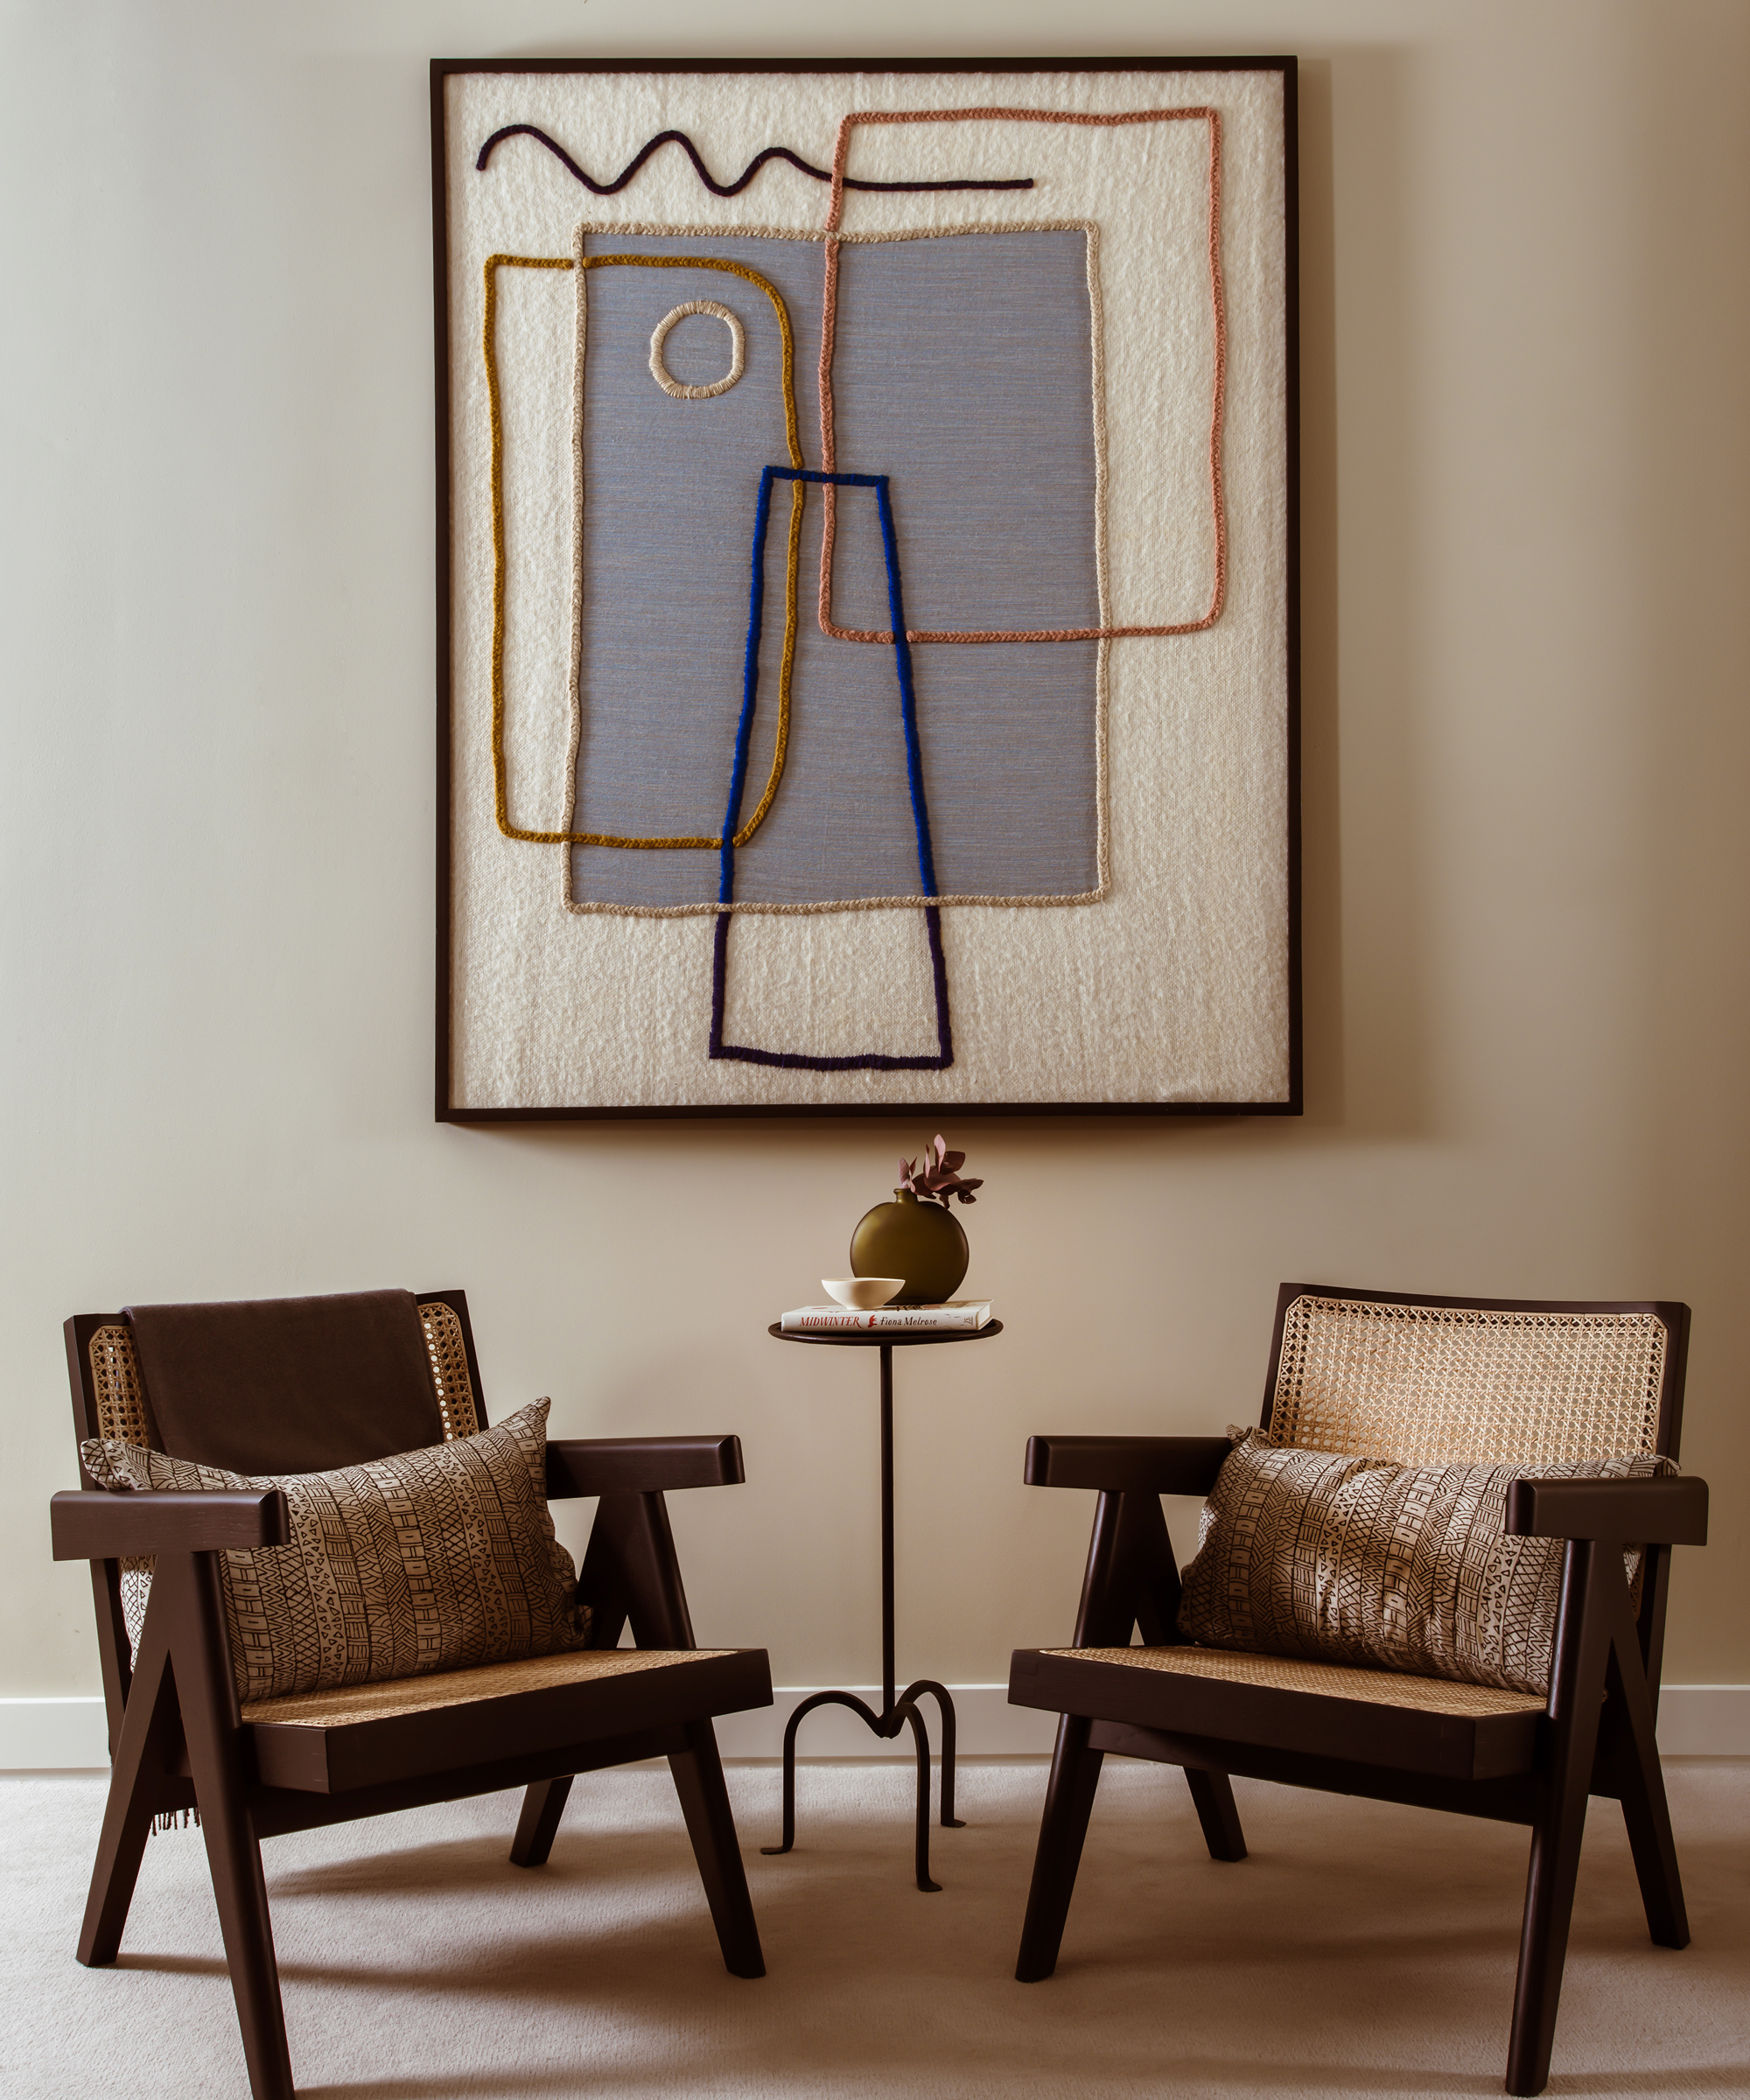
(895, 1338)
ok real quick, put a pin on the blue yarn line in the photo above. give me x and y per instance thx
(750, 687)
(902, 648)
(750, 677)
(909, 705)
(902, 652)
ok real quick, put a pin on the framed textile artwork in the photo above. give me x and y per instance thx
(867, 608)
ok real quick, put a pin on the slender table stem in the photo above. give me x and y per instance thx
(887, 1665)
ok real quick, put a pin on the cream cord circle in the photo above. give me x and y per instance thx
(738, 360)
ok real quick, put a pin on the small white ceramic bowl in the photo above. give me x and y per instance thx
(862, 1293)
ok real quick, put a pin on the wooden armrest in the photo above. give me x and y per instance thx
(85, 1525)
(1669, 1511)
(640, 1465)
(1127, 1464)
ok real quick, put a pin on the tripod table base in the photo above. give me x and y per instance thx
(886, 1726)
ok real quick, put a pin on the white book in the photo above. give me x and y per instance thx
(958, 1313)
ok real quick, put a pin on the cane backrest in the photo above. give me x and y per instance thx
(446, 1346)
(124, 1414)
(1439, 1381)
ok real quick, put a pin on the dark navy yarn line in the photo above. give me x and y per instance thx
(790, 1059)
(719, 970)
(721, 189)
(944, 1033)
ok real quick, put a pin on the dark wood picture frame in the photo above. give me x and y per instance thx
(447, 1108)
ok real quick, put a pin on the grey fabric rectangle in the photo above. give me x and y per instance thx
(961, 370)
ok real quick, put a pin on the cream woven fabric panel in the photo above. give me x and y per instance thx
(1428, 1385)
(462, 1687)
(1332, 1680)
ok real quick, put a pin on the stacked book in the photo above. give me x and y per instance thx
(958, 1315)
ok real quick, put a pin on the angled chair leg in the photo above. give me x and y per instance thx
(1582, 1648)
(240, 1890)
(1068, 1803)
(1212, 1795)
(149, 1737)
(1644, 1808)
(705, 1802)
(538, 1825)
(233, 1855)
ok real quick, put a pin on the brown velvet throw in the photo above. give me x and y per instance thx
(288, 1384)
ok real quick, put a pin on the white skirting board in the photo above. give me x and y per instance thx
(68, 1735)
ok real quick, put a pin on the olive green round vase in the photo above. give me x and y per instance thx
(921, 1242)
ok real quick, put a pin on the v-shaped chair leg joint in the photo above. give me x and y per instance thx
(1641, 1783)
(710, 1824)
(1596, 1651)
(207, 1699)
(1068, 1803)
(148, 1741)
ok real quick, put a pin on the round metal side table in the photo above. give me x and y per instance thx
(897, 1708)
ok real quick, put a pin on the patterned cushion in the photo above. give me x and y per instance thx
(434, 1559)
(1402, 1567)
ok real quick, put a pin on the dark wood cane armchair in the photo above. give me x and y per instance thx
(1423, 1382)
(181, 1740)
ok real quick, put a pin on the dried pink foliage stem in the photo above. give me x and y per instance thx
(940, 1178)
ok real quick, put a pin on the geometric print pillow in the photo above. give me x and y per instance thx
(1400, 1567)
(434, 1559)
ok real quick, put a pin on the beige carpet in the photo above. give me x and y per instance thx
(1361, 1949)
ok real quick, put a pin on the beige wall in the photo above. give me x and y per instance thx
(1525, 247)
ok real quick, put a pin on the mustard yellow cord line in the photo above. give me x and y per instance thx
(500, 799)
